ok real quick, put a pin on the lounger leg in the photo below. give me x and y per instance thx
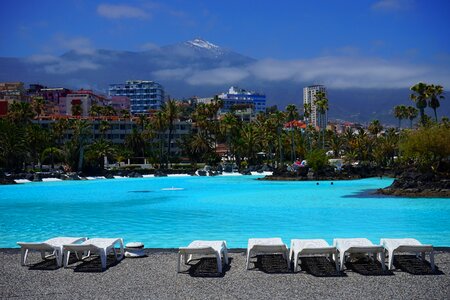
(342, 259)
(43, 254)
(189, 259)
(179, 262)
(295, 262)
(432, 261)
(383, 267)
(103, 258)
(59, 257)
(286, 255)
(66, 258)
(225, 256)
(391, 260)
(219, 263)
(336, 261)
(23, 256)
(248, 259)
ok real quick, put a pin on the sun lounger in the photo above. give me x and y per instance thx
(311, 247)
(101, 246)
(406, 245)
(54, 245)
(357, 245)
(216, 248)
(266, 246)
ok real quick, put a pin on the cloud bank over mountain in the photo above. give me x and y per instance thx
(198, 67)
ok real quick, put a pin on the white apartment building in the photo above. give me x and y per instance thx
(315, 118)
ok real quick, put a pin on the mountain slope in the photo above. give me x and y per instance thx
(195, 67)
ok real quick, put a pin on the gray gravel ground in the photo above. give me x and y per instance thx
(155, 277)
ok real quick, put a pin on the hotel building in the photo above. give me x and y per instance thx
(144, 95)
(309, 96)
(237, 98)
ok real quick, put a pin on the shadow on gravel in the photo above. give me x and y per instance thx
(367, 267)
(272, 264)
(45, 265)
(414, 265)
(207, 267)
(320, 267)
(93, 264)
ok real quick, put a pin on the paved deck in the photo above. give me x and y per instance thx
(155, 277)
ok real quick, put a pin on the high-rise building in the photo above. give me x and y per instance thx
(237, 98)
(309, 97)
(144, 95)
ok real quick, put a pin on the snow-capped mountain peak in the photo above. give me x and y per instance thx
(202, 44)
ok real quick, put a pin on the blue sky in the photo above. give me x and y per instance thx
(405, 29)
(393, 42)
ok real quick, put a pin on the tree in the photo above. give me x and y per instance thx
(420, 96)
(13, 148)
(426, 147)
(317, 160)
(411, 113)
(400, 112)
(435, 94)
(20, 112)
(375, 127)
(321, 103)
(292, 115)
(171, 112)
(100, 149)
(77, 109)
(38, 105)
(159, 122)
(81, 132)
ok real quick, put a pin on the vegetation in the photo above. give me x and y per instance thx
(273, 138)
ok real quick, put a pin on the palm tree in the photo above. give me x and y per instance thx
(435, 93)
(171, 112)
(277, 120)
(135, 142)
(37, 140)
(292, 115)
(321, 103)
(159, 123)
(228, 126)
(104, 127)
(77, 110)
(411, 113)
(400, 113)
(99, 150)
(38, 106)
(420, 96)
(20, 112)
(375, 127)
(81, 132)
(13, 148)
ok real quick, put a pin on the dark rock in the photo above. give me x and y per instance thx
(159, 173)
(37, 177)
(201, 173)
(246, 172)
(109, 176)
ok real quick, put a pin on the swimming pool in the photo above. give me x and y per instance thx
(233, 208)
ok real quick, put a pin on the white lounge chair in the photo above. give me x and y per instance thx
(266, 246)
(54, 245)
(311, 247)
(406, 245)
(216, 248)
(357, 245)
(101, 246)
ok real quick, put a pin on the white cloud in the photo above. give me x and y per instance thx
(81, 45)
(218, 76)
(43, 58)
(58, 65)
(122, 11)
(334, 71)
(392, 5)
(149, 46)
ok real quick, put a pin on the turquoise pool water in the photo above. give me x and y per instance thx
(233, 208)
